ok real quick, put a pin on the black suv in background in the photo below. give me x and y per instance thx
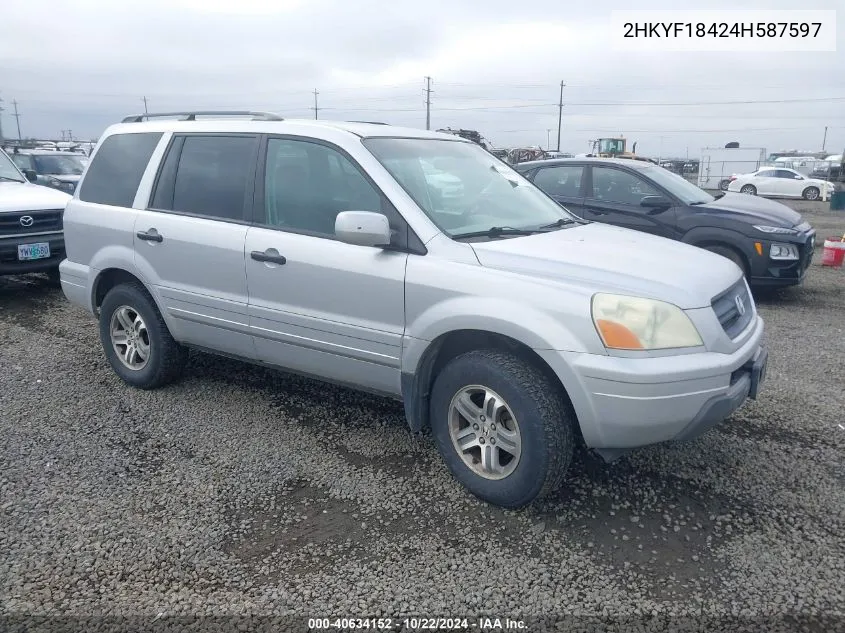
(770, 242)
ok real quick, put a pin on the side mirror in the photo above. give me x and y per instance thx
(363, 228)
(30, 174)
(655, 204)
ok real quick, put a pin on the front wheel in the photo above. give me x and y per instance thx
(724, 184)
(136, 340)
(505, 431)
(750, 190)
(811, 193)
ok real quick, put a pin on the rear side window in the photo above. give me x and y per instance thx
(209, 176)
(563, 180)
(117, 168)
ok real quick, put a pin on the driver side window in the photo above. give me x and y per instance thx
(306, 185)
(621, 187)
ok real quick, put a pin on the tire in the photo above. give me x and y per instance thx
(811, 193)
(731, 254)
(544, 421)
(165, 358)
(724, 184)
(750, 190)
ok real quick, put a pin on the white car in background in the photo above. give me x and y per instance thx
(780, 183)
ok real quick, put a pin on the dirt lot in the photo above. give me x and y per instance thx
(242, 490)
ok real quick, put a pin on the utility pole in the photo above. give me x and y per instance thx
(144, 99)
(315, 103)
(548, 138)
(560, 114)
(18, 118)
(824, 142)
(428, 103)
(1, 121)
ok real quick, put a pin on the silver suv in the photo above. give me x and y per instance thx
(507, 325)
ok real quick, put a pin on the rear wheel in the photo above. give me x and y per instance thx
(505, 431)
(811, 193)
(731, 254)
(136, 340)
(751, 190)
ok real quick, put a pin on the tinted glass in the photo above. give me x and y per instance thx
(564, 180)
(766, 173)
(58, 165)
(615, 185)
(23, 161)
(788, 175)
(307, 184)
(676, 185)
(214, 175)
(117, 168)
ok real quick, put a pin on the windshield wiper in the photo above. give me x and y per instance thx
(558, 223)
(10, 179)
(495, 231)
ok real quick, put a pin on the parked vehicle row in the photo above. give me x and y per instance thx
(502, 320)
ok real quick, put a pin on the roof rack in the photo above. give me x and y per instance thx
(192, 116)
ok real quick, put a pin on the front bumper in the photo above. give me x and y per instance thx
(10, 265)
(774, 273)
(626, 403)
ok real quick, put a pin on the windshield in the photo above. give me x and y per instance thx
(611, 146)
(8, 171)
(678, 186)
(483, 191)
(59, 165)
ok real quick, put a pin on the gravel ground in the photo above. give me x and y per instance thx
(246, 491)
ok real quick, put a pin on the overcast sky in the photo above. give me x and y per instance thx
(496, 67)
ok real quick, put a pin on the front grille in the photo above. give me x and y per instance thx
(727, 309)
(42, 222)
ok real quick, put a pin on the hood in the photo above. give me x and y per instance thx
(756, 209)
(24, 196)
(604, 258)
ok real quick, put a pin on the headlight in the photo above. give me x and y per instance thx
(776, 229)
(635, 323)
(783, 251)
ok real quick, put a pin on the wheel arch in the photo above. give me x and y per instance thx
(417, 385)
(106, 280)
(726, 238)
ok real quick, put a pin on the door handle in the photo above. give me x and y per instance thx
(148, 236)
(260, 256)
